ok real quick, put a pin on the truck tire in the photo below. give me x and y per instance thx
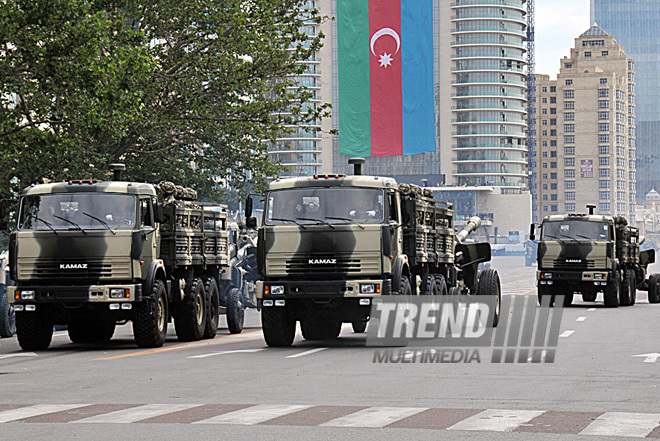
(441, 285)
(190, 318)
(104, 330)
(627, 297)
(320, 329)
(359, 326)
(613, 291)
(151, 316)
(34, 330)
(7, 318)
(489, 285)
(213, 316)
(80, 331)
(568, 298)
(278, 326)
(654, 288)
(543, 292)
(404, 287)
(235, 311)
(431, 286)
(454, 291)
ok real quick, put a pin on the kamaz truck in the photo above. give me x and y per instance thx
(329, 245)
(90, 254)
(586, 254)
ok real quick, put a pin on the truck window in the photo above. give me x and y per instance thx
(146, 216)
(576, 229)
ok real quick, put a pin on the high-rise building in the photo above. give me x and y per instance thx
(635, 24)
(586, 130)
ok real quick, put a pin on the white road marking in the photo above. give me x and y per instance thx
(581, 319)
(237, 351)
(529, 360)
(36, 410)
(623, 424)
(302, 354)
(566, 333)
(254, 415)
(20, 354)
(591, 309)
(224, 339)
(136, 413)
(650, 358)
(374, 417)
(497, 420)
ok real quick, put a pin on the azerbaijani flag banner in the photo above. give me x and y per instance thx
(385, 57)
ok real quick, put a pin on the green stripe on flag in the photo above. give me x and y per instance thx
(353, 59)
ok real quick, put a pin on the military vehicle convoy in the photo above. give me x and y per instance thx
(91, 254)
(329, 244)
(588, 254)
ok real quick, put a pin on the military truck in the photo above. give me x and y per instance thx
(587, 254)
(90, 254)
(329, 245)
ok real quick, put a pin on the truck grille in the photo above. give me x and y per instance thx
(319, 265)
(51, 270)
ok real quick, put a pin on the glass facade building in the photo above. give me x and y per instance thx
(636, 26)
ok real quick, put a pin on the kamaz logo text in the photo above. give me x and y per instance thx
(574, 260)
(322, 261)
(73, 266)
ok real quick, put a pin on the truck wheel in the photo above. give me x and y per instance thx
(545, 291)
(654, 288)
(104, 330)
(235, 311)
(441, 285)
(190, 319)
(568, 298)
(489, 285)
(34, 330)
(359, 326)
(278, 326)
(213, 317)
(7, 319)
(454, 291)
(627, 285)
(150, 320)
(320, 329)
(80, 331)
(404, 286)
(431, 287)
(633, 288)
(612, 292)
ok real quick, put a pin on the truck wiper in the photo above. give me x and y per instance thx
(281, 219)
(47, 224)
(318, 221)
(570, 237)
(584, 237)
(71, 222)
(347, 220)
(104, 223)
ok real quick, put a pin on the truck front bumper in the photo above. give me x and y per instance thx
(596, 278)
(303, 289)
(115, 294)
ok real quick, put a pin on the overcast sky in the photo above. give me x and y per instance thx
(558, 23)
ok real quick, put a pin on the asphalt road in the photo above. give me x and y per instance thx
(602, 385)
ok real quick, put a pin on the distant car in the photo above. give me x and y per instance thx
(531, 248)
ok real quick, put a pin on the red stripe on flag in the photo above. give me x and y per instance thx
(385, 73)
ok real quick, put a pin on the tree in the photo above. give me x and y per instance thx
(187, 90)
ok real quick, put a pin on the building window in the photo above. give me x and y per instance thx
(545, 154)
(553, 197)
(553, 132)
(553, 99)
(553, 154)
(604, 183)
(604, 207)
(553, 208)
(569, 94)
(544, 122)
(603, 93)
(603, 116)
(603, 139)
(603, 172)
(544, 89)
(569, 150)
(569, 174)
(587, 54)
(569, 139)
(553, 121)
(604, 53)
(545, 186)
(603, 127)
(544, 111)
(545, 165)
(544, 100)
(553, 186)
(553, 143)
(568, 66)
(604, 161)
(569, 116)
(569, 185)
(569, 162)
(553, 89)
(603, 81)
(553, 175)
(544, 133)
(603, 149)
(569, 195)
(570, 207)
(553, 165)
(553, 111)
(603, 104)
(545, 208)
(569, 82)
(604, 195)
(569, 105)
(545, 197)
(569, 128)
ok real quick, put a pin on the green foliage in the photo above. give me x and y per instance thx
(189, 90)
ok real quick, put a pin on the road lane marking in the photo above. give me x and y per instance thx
(375, 417)
(566, 334)
(650, 358)
(236, 351)
(135, 414)
(302, 354)
(581, 319)
(497, 420)
(20, 354)
(623, 424)
(542, 359)
(591, 309)
(36, 410)
(254, 415)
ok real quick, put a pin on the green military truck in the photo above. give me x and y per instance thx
(329, 244)
(587, 254)
(91, 254)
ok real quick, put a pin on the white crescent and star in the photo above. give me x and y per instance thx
(385, 59)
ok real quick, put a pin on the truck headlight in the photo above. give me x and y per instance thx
(27, 295)
(600, 276)
(277, 290)
(369, 288)
(546, 275)
(118, 293)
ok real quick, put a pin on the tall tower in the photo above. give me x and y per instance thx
(488, 83)
(634, 23)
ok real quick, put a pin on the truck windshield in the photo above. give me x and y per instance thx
(86, 211)
(574, 229)
(325, 205)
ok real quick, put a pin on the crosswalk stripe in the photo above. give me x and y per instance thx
(623, 424)
(36, 410)
(496, 420)
(375, 417)
(254, 415)
(136, 413)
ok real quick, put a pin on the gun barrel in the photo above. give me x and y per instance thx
(472, 225)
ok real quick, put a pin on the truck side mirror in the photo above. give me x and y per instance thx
(248, 208)
(159, 216)
(532, 236)
(251, 222)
